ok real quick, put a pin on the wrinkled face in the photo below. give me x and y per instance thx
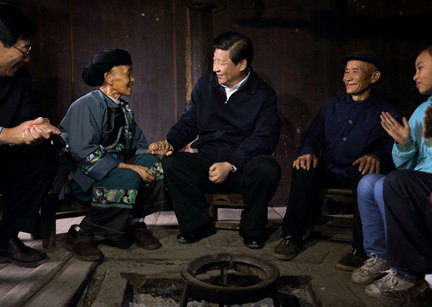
(227, 72)
(423, 76)
(12, 59)
(358, 77)
(122, 80)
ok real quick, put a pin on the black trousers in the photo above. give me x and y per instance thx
(26, 175)
(304, 192)
(187, 179)
(409, 220)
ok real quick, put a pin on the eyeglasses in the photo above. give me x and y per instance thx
(25, 54)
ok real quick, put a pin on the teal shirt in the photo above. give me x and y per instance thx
(415, 154)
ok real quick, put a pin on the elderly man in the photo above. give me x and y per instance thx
(234, 114)
(28, 163)
(344, 142)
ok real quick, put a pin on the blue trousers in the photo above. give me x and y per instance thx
(372, 214)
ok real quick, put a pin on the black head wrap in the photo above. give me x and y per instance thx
(102, 62)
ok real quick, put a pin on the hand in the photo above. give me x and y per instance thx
(40, 131)
(368, 164)
(399, 133)
(32, 132)
(219, 171)
(145, 173)
(427, 124)
(305, 162)
(160, 148)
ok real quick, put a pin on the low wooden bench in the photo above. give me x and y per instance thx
(334, 223)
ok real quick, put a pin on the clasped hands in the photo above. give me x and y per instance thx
(31, 132)
(218, 172)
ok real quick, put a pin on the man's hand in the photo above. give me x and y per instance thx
(305, 162)
(160, 148)
(399, 133)
(145, 173)
(219, 171)
(368, 164)
(427, 124)
(32, 132)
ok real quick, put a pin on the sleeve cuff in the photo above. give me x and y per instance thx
(407, 146)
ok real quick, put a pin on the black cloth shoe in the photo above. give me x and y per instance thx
(287, 249)
(21, 255)
(197, 234)
(352, 260)
(80, 243)
(420, 294)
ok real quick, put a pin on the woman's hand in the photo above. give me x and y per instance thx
(160, 148)
(145, 173)
(427, 124)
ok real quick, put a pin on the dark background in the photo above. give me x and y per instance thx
(298, 45)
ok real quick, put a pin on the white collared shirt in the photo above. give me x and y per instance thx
(230, 91)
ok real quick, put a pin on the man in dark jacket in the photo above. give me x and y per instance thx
(344, 142)
(234, 115)
(27, 162)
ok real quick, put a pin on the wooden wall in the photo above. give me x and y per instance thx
(298, 45)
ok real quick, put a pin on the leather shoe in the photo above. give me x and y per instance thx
(420, 294)
(143, 238)
(80, 244)
(254, 243)
(21, 255)
(197, 234)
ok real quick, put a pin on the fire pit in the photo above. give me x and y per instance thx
(229, 279)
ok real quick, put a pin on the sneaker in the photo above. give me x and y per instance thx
(393, 281)
(288, 249)
(418, 295)
(352, 260)
(371, 270)
(80, 243)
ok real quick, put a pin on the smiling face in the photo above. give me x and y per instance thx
(227, 72)
(423, 76)
(120, 80)
(12, 59)
(358, 77)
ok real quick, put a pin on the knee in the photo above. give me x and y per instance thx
(367, 184)
(268, 168)
(147, 160)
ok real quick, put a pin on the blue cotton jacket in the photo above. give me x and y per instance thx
(247, 125)
(345, 130)
(415, 154)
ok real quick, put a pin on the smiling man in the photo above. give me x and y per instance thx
(28, 162)
(344, 142)
(234, 115)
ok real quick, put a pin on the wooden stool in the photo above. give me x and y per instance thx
(334, 224)
(224, 200)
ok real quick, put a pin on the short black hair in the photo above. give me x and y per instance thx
(14, 25)
(239, 46)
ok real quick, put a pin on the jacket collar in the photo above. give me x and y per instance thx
(249, 86)
(367, 102)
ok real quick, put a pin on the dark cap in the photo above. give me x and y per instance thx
(103, 62)
(369, 57)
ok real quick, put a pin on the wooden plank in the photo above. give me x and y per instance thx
(63, 289)
(20, 284)
(108, 293)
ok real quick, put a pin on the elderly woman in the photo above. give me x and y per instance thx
(108, 161)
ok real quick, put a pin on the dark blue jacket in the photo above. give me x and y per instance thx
(246, 126)
(344, 131)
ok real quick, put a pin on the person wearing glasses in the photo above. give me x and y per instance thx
(28, 162)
